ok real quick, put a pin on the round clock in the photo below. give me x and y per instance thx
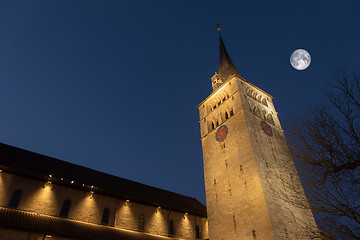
(221, 133)
(266, 128)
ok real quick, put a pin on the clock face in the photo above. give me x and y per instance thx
(221, 133)
(266, 128)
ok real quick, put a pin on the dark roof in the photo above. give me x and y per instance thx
(226, 66)
(34, 165)
(61, 227)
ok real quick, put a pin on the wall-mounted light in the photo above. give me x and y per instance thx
(185, 215)
(62, 179)
(50, 175)
(158, 209)
(126, 202)
(91, 194)
(72, 181)
(48, 183)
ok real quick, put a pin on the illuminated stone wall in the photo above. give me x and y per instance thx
(245, 194)
(13, 234)
(89, 207)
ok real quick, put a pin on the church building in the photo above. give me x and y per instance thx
(252, 188)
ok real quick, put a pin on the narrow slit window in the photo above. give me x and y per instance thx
(15, 199)
(226, 115)
(171, 228)
(197, 230)
(141, 222)
(65, 210)
(105, 216)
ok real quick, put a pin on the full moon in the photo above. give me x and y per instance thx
(300, 59)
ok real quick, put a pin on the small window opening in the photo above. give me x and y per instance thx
(240, 167)
(217, 123)
(286, 233)
(171, 228)
(214, 181)
(231, 113)
(226, 115)
(105, 216)
(141, 222)
(212, 126)
(65, 209)
(264, 101)
(197, 230)
(15, 199)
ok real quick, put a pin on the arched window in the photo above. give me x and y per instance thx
(264, 101)
(226, 115)
(231, 113)
(258, 98)
(141, 222)
(197, 231)
(65, 209)
(171, 228)
(15, 199)
(217, 123)
(270, 119)
(105, 216)
(212, 125)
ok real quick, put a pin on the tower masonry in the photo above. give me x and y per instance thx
(252, 187)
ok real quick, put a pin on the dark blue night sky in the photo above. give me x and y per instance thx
(114, 85)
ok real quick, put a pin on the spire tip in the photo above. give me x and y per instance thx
(218, 27)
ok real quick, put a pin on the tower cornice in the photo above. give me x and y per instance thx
(229, 79)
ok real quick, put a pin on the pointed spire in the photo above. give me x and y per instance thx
(226, 66)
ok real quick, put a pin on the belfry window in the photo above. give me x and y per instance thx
(15, 199)
(171, 228)
(264, 101)
(105, 216)
(65, 209)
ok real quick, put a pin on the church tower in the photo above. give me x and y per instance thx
(252, 188)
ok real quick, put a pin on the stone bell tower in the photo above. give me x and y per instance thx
(252, 188)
